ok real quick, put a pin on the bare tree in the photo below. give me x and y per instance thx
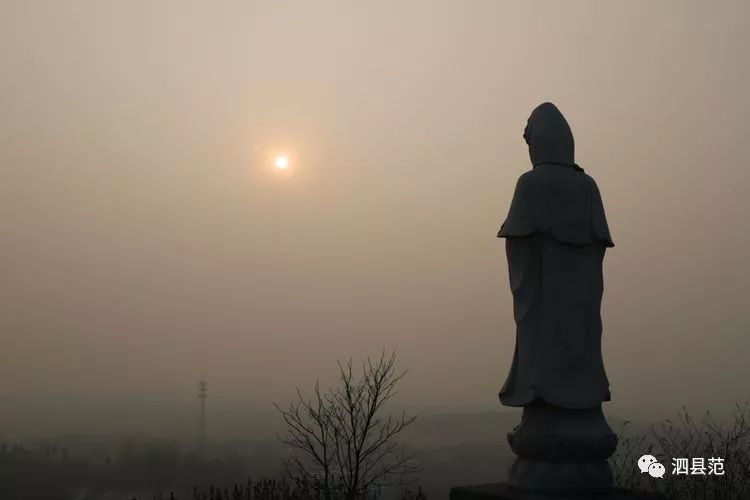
(340, 440)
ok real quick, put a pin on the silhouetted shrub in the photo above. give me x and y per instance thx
(689, 439)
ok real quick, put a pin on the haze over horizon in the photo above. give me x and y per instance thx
(147, 240)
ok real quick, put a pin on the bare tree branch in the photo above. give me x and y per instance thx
(340, 438)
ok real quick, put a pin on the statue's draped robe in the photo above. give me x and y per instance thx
(556, 236)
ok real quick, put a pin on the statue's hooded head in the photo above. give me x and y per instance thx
(549, 137)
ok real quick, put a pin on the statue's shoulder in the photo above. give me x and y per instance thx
(588, 178)
(527, 179)
(592, 183)
(535, 182)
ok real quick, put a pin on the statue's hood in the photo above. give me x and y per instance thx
(549, 136)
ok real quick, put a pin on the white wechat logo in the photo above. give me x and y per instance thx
(648, 463)
(656, 470)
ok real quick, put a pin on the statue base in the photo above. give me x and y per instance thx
(561, 455)
(504, 491)
(561, 449)
(535, 475)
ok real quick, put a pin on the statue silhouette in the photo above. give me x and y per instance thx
(556, 236)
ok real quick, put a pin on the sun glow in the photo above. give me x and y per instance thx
(281, 161)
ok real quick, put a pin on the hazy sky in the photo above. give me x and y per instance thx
(145, 238)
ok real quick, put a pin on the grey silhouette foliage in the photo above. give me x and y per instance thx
(689, 438)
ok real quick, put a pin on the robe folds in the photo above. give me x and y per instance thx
(556, 235)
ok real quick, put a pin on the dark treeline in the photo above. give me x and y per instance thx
(53, 473)
(271, 489)
(142, 472)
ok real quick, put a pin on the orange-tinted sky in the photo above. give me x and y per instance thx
(145, 240)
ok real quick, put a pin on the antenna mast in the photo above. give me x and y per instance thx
(202, 395)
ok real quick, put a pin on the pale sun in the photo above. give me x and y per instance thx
(281, 161)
